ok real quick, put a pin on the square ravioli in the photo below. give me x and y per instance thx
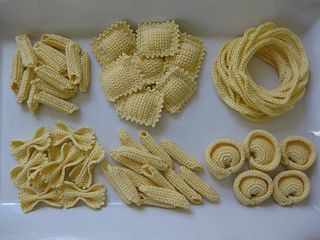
(158, 39)
(113, 42)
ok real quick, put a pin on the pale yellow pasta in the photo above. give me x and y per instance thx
(56, 103)
(25, 85)
(131, 164)
(85, 72)
(158, 39)
(54, 40)
(153, 174)
(152, 69)
(198, 184)
(28, 56)
(127, 140)
(178, 154)
(143, 107)
(148, 141)
(113, 42)
(137, 179)
(175, 179)
(73, 62)
(32, 104)
(165, 195)
(16, 71)
(145, 200)
(50, 56)
(178, 87)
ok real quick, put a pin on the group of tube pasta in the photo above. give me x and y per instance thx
(56, 167)
(148, 71)
(49, 73)
(149, 178)
(264, 154)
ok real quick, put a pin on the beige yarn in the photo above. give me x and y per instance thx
(73, 62)
(54, 40)
(129, 163)
(145, 200)
(25, 85)
(224, 157)
(127, 140)
(262, 150)
(290, 187)
(153, 174)
(252, 187)
(28, 56)
(277, 46)
(297, 153)
(16, 71)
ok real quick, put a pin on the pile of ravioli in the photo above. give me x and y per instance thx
(56, 168)
(148, 71)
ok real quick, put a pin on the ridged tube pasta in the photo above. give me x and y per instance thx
(28, 56)
(85, 72)
(137, 179)
(178, 154)
(262, 150)
(175, 179)
(25, 85)
(54, 40)
(127, 140)
(149, 143)
(32, 104)
(145, 200)
(56, 103)
(153, 174)
(73, 62)
(199, 185)
(165, 195)
(16, 71)
(131, 164)
(50, 56)
(297, 153)
(252, 187)
(224, 157)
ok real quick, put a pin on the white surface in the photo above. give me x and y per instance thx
(202, 121)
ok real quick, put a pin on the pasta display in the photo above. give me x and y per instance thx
(49, 72)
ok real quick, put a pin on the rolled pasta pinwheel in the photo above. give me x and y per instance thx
(290, 187)
(252, 187)
(71, 194)
(262, 150)
(21, 149)
(297, 153)
(224, 157)
(83, 138)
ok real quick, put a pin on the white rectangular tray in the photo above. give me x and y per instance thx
(204, 119)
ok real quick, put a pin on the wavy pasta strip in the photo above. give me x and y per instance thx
(85, 72)
(155, 176)
(16, 71)
(28, 56)
(54, 40)
(73, 62)
(25, 85)
(127, 140)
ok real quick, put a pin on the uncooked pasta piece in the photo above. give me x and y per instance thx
(83, 137)
(54, 40)
(25, 85)
(29, 198)
(71, 194)
(290, 187)
(148, 141)
(22, 149)
(121, 78)
(127, 140)
(56, 103)
(28, 56)
(73, 62)
(178, 154)
(86, 72)
(138, 180)
(55, 79)
(141, 157)
(133, 165)
(190, 54)
(32, 104)
(151, 69)
(199, 185)
(165, 195)
(297, 153)
(252, 187)
(145, 200)
(143, 107)
(153, 174)
(50, 57)
(262, 150)
(113, 42)
(224, 157)
(177, 86)
(16, 71)
(81, 174)
(182, 186)
(158, 39)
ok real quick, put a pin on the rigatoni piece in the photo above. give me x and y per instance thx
(73, 62)
(182, 186)
(145, 200)
(133, 165)
(138, 180)
(178, 154)
(32, 104)
(54, 40)
(16, 71)
(29, 58)
(127, 140)
(56, 103)
(86, 72)
(199, 185)
(153, 174)
(24, 89)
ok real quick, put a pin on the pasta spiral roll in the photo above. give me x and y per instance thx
(290, 187)
(252, 187)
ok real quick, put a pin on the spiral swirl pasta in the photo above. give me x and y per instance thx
(290, 187)
(277, 46)
(252, 187)
(224, 157)
(297, 153)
